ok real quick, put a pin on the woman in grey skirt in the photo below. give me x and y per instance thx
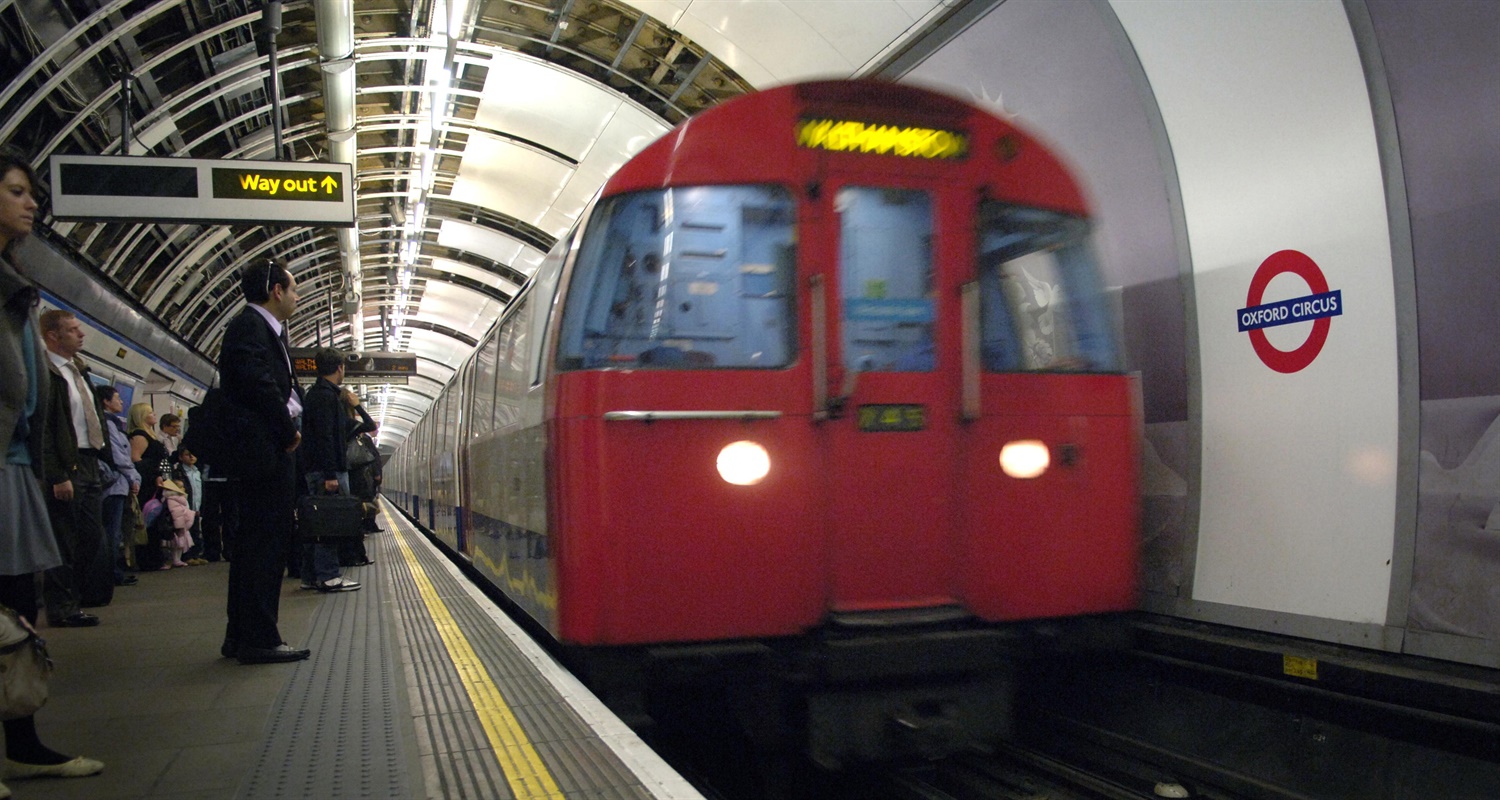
(26, 543)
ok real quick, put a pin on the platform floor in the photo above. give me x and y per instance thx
(418, 687)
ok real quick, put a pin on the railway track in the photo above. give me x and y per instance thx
(1019, 773)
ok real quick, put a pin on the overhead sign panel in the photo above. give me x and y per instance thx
(372, 366)
(202, 190)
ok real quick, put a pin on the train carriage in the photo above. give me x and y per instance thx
(829, 362)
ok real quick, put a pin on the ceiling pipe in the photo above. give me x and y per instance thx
(335, 20)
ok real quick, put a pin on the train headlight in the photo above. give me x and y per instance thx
(744, 463)
(1025, 458)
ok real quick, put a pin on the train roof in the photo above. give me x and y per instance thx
(801, 132)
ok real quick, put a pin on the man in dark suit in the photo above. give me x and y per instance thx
(264, 404)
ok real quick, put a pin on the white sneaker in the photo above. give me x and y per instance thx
(339, 584)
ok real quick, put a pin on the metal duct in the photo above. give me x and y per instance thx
(336, 48)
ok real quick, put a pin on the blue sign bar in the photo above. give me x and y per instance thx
(1286, 312)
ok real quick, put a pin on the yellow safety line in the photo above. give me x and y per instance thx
(524, 771)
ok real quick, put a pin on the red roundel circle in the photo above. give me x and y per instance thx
(1298, 264)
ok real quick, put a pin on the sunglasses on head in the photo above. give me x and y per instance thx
(270, 276)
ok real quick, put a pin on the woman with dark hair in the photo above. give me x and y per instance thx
(27, 546)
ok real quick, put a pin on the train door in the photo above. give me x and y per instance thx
(884, 323)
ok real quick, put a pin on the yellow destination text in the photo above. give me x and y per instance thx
(848, 136)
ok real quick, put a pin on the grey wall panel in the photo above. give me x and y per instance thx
(58, 274)
(1442, 60)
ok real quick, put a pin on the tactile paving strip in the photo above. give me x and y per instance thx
(335, 732)
(456, 754)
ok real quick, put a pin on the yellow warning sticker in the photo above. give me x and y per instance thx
(1299, 667)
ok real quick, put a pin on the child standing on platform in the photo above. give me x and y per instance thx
(191, 479)
(182, 521)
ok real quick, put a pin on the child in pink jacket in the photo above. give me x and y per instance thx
(182, 523)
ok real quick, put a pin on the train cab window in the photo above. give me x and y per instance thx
(885, 271)
(686, 278)
(1042, 307)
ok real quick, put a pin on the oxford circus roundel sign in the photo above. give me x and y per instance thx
(1319, 307)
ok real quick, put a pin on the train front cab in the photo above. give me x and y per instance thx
(875, 340)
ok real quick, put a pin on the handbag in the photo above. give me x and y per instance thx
(330, 517)
(24, 667)
(357, 455)
(134, 522)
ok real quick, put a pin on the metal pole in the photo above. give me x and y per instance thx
(332, 340)
(272, 18)
(385, 344)
(126, 135)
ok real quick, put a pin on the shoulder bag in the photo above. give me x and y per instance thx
(24, 667)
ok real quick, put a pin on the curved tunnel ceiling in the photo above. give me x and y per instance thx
(479, 132)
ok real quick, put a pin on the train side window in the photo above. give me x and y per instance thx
(686, 278)
(544, 292)
(481, 414)
(885, 258)
(1042, 306)
(510, 365)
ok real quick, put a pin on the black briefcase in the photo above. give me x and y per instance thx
(330, 517)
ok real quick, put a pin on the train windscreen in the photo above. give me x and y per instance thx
(1042, 307)
(685, 278)
(885, 253)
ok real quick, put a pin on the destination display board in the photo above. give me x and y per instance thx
(152, 189)
(370, 367)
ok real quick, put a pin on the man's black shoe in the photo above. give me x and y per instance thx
(79, 620)
(128, 580)
(229, 649)
(271, 655)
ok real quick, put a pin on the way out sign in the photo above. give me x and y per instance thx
(1319, 307)
(205, 191)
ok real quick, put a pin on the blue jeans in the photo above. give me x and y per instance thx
(320, 562)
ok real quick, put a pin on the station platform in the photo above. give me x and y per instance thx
(418, 687)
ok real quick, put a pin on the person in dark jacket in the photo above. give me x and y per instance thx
(70, 460)
(325, 435)
(263, 403)
(364, 465)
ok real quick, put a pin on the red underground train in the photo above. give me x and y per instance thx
(825, 384)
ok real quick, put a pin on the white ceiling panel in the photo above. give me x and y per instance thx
(475, 274)
(510, 178)
(769, 42)
(458, 308)
(440, 348)
(479, 240)
(858, 29)
(548, 105)
(628, 133)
